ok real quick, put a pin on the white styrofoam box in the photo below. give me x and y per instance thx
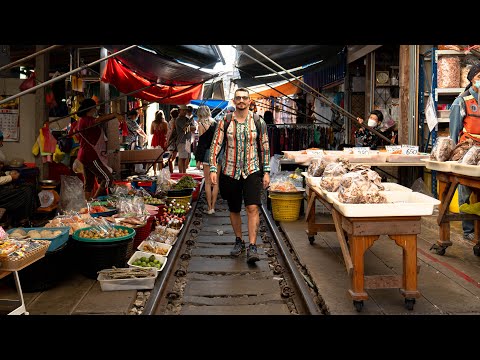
(127, 284)
(402, 158)
(290, 154)
(444, 166)
(443, 113)
(389, 186)
(465, 169)
(138, 254)
(156, 244)
(399, 203)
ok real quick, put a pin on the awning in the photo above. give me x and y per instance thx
(288, 88)
(287, 56)
(212, 104)
(126, 81)
(154, 67)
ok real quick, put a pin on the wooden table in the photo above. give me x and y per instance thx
(448, 182)
(361, 233)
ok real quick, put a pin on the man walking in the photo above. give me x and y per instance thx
(245, 168)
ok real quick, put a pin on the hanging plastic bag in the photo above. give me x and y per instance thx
(72, 197)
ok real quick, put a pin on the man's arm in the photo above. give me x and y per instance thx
(216, 145)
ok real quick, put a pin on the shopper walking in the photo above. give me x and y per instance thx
(465, 124)
(206, 129)
(184, 127)
(245, 169)
(172, 139)
(159, 129)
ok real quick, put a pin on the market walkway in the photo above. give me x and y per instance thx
(449, 284)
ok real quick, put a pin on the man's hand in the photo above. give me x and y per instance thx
(213, 178)
(266, 180)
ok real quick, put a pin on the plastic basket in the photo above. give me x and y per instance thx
(9, 263)
(143, 232)
(55, 242)
(150, 186)
(286, 207)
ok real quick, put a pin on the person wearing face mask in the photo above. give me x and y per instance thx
(369, 139)
(465, 124)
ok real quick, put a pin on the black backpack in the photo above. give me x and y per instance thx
(204, 142)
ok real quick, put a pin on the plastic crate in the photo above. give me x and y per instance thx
(145, 283)
(150, 186)
(56, 242)
(286, 207)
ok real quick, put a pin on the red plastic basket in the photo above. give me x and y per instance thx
(196, 192)
(143, 232)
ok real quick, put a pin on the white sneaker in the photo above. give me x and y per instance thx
(211, 211)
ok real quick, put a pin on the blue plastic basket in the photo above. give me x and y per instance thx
(149, 185)
(105, 213)
(56, 242)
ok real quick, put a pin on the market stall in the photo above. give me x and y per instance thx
(362, 210)
(450, 174)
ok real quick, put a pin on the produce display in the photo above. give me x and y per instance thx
(19, 233)
(151, 261)
(150, 200)
(185, 182)
(125, 273)
(100, 233)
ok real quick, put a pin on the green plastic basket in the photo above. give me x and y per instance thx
(131, 234)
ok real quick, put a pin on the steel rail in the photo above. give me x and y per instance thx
(297, 276)
(158, 290)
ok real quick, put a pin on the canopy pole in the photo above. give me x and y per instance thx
(320, 97)
(10, 98)
(19, 61)
(301, 113)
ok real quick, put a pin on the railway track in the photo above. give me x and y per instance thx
(202, 278)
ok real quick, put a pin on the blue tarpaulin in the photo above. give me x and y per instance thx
(211, 103)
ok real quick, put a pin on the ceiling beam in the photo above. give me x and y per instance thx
(355, 52)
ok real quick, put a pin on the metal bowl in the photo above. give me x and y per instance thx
(48, 182)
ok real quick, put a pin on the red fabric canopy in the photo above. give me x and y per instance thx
(126, 81)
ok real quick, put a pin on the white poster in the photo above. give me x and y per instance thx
(431, 114)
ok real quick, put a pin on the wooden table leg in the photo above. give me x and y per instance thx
(358, 246)
(409, 245)
(445, 195)
(310, 217)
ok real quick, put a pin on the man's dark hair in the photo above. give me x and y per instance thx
(132, 112)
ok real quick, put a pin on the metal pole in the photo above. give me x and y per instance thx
(320, 96)
(63, 75)
(12, 64)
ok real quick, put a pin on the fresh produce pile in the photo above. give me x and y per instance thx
(185, 182)
(103, 234)
(150, 200)
(148, 262)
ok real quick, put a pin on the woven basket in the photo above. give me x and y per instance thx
(9, 263)
(286, 207)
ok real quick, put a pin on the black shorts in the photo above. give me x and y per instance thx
(233, 190)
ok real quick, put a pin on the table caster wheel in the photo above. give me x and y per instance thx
(358, 305)
(476, 250)
(311, 239)
(409, 303)
(439, 249)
